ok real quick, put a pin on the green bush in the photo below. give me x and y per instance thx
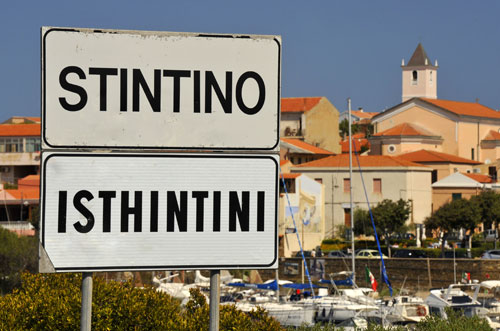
(17, 254)
(52, 302)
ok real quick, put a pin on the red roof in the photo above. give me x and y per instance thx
(480, 178)
(283, 162)
(25, 194)
(362, 114)
(29, 181)
(305, 146)
(405, 129)
(492, 135)
(464, 108)
(20, 130)
(424, 156)
(290, 105)
(357, 143)
(291, 176)
(342, 161)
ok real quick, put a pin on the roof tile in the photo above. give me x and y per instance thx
(342, 161)
(305, 146)
(406, 129)
(20, 130)
(480, 178)
(291, 105)
(426, 156)
(464, 108)
(492, 135)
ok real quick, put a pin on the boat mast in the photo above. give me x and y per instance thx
(351, 211)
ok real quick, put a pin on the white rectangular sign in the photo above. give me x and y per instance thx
(159, 90)
(103, 212)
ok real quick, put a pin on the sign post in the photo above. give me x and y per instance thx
(214, 300)
(86, 309)
(160, 151)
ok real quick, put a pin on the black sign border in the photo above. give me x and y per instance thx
(151, 155)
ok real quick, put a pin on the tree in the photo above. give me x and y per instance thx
(17, 254)
(389, 217)
(344, 128)
(489, 205)
(454, 215)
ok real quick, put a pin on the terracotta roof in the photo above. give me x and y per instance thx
(492, 135)
(342, 161)
(25, 194)
(426, 156)
(291, 176)
(419, 57)
(29, 181)
(291, 105)
(308, 148)
(20, 130)
(464, 108)
(362, 114)
(356, 145)
(480, 178)
(283, 162)
(405, 129)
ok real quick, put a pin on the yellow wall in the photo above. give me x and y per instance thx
(440, 196)
(470, 136)
(458, 137)
(397, 183)
(322, 126)
(428, 120)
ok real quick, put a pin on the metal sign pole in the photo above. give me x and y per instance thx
(214, 299)
(86, 311)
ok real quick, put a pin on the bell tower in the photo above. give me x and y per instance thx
(419, 76)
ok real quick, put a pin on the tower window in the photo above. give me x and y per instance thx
(414, 77)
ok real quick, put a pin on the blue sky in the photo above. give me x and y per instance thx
(336, 49)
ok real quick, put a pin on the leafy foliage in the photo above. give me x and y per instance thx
(489, 206)
(389, 217)
(454, 215)
(17, 254)
(344, 128)
(52, 302)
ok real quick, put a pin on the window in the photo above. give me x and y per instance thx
(377, 185)
(472, 154)
(434, 176)
(11, 145)
(456, 196)
(347, 185)
(347, 217)
(319, 180)
(492, 171)
(32, 145)
(290, 185)
(414, 77)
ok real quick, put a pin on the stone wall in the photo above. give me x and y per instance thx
(416, 274)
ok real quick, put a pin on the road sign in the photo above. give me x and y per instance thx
(158, 90)
(148, 211)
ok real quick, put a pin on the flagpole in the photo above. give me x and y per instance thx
(351, 211)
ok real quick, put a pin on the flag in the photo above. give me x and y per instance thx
(371, 279)
(466, 277)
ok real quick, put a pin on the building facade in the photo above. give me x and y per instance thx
(383, 177)
(314, 120)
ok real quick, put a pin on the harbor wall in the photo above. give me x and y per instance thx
(416, 274)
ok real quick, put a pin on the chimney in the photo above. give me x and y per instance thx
(360, 109)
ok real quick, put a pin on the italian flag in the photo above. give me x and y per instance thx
(371, 279)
